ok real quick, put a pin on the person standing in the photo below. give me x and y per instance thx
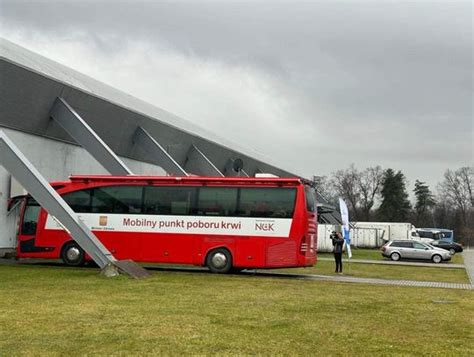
(338, 243)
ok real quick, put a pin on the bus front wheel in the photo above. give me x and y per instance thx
(219, 261)
(73, 255)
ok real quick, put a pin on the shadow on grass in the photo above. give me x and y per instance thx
(170, 269)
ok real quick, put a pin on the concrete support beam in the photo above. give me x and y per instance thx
(157, 153)
(83, 134)
(13, 160)
(197, 163)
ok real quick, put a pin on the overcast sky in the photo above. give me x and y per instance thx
(316, 86)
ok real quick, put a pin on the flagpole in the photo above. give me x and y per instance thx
(349, 266)
(349, 256)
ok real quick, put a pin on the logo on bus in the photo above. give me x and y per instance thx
(102, 221)
(266, 227)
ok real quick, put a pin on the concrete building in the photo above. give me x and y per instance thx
(30, 86)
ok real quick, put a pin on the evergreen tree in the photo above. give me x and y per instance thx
(424, 203)
(395, 206)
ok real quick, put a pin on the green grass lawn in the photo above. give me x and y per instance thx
(66, 311)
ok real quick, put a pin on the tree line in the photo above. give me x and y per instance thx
(381, 195)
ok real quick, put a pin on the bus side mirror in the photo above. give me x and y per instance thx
(14, 202)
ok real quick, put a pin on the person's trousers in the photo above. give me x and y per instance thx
(338, 258)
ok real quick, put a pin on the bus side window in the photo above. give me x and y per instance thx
(79, 201)
(169, 200)
(217, 201)
(310, 194)
(117, 199)
(267, 202)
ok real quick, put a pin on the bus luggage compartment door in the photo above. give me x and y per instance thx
(249, 252)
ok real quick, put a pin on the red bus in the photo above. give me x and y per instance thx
(222, 223)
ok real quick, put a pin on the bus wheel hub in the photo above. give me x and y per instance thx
(73, 253)
(219, 260)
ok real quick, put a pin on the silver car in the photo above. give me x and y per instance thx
(411, 249)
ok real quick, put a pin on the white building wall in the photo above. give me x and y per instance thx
(55, 160)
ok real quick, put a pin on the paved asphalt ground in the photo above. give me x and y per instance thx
(351, 279)
(469, 263)
(389, 262)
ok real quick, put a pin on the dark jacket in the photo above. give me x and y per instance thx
(337, 242)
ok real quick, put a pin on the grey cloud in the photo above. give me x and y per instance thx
(393, 80)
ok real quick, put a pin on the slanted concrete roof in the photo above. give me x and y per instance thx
(30, 83)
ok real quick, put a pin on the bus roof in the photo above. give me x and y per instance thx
(434, 230)
(187, 179)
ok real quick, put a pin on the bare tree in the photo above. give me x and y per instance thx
(456, 189)
(346, 185)
(466, 176)
(369, 185)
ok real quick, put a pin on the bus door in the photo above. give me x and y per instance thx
(28, 227)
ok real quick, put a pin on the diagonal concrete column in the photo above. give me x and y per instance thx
(13, 160)
(156, 153)
(199, 164)
(84, 135)
(19, 166)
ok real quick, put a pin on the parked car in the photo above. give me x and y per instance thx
(411, 249)
(452, 247)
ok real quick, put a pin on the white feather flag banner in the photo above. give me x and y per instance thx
(345, 225)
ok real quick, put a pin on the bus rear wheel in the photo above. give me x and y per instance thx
(73, 255)
(219, 261)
